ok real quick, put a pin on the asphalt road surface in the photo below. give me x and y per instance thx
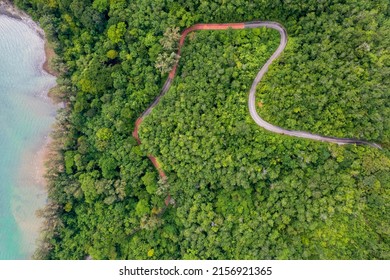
(252, 93)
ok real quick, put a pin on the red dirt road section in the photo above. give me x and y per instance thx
(135, 132)
(211, 26)
(152, 158)
(251, 99)
(158, 167)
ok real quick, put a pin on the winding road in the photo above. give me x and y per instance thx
(252, 93)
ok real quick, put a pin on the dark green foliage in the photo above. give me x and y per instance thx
(239, 192)
(334, 80)
(242, 192)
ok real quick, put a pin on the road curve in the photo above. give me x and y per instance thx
(252, 93)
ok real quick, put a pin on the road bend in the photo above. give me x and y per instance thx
(252, 93)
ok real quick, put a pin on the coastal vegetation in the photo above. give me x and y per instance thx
(237, 191)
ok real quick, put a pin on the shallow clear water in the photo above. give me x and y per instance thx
(26, 116)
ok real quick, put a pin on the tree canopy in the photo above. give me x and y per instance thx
(238, 191)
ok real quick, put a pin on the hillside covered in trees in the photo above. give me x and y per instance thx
(237, 191)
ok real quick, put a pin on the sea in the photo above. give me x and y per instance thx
(26, 118)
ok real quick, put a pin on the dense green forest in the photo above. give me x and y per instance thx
(238, 191)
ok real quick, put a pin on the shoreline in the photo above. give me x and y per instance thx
(42, 156)
(47, 64)
(10, 10)
(42, 153)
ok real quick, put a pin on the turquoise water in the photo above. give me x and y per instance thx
(26, 116)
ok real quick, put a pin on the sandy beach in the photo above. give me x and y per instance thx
(43, 154)
(41, 157)
(49, 56)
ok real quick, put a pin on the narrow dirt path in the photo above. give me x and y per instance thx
(252, 93)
